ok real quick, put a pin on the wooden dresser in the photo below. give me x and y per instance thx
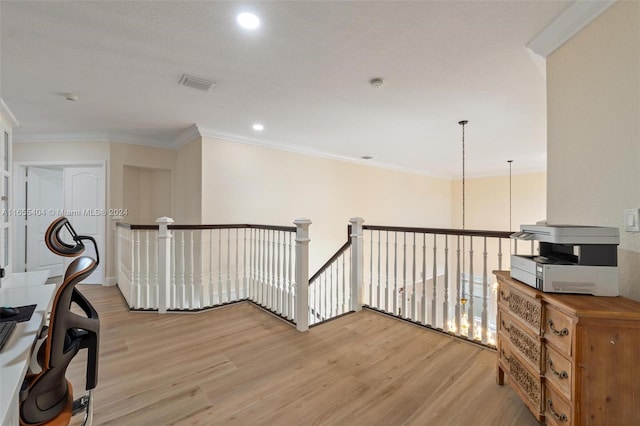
(572, 359)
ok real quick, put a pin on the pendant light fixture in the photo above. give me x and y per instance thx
(463, 299)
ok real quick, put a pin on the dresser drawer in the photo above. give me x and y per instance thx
(503, 293)
(558, 330)
(528, 384)
(528, 345)
(527, 309)
(504, 351)
(558, 372)
(557, 409)
(503, 321)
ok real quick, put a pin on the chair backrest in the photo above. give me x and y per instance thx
(47, 393)
(55, 243)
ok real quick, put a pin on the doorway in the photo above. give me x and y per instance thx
(47, 191)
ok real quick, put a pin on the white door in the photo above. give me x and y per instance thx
(84, 203)
(44, 203)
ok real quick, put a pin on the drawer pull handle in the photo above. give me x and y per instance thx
(561, 375)
(563, 332)
(561, 417)
(504, 326)
(504, 355)
(503, 296)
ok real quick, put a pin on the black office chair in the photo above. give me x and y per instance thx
(46, 398)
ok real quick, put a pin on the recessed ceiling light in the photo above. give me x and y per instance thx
(71, 97)
(258, 127)
(366, 157)
(248, 20)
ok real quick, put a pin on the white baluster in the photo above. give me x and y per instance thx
(191, 288)
(173, 295)
(344, 284)
(434, 280)
(413, 278)
(228, 298)
(220, 284)
(212, 290)
(445, 303)
(470, 315)
(272, 298)
(280, 274)
(395, 274)
(245, 284)
(182, 288)
(458, 312)
(378, 302)
(262, 256)
(133, 299)
(404, 275)
(164, 264)
(485, 286)
(236, 279)
(252, 292)
(424, 278)
(147, 284)
(386, 282)
(371, 271)
(139, 289)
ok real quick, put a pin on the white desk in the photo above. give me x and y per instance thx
(15, 356)
(25, 279)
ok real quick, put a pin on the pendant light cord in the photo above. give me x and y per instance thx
(463, 298)
(510, 162)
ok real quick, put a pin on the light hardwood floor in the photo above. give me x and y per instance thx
(238, 365)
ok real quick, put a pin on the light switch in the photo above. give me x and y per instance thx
(631, 220)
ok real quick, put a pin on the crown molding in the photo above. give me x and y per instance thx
(296, 149)
(195, 131)
(88, 137)
(566, 25)
(8, 115)
(188, 135)
(60, 137)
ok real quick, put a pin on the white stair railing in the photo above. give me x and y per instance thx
(169, 267)
(408, 274)
(439, 278)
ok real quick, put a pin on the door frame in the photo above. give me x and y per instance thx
(19, 201)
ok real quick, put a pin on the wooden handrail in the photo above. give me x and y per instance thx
(441, 231)
(201, 227)
(337, 254)
(328, 263)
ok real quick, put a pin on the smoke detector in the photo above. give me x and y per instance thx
(376, 82)
(196, 82)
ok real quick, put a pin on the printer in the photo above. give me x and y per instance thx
(571, 259)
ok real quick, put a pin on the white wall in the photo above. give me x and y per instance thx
(146, 194)
(593, 95)
(249, 184)
(487, 201)
(188, 184)
(219, 182)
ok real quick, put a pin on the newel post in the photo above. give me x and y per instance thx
(302, 274)
(117, 249)
(164, 263)
(357, 267)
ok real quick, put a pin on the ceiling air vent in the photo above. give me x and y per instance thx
(196, 83)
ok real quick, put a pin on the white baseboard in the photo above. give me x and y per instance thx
(109, 281)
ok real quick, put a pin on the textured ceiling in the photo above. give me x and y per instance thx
(303, 74)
